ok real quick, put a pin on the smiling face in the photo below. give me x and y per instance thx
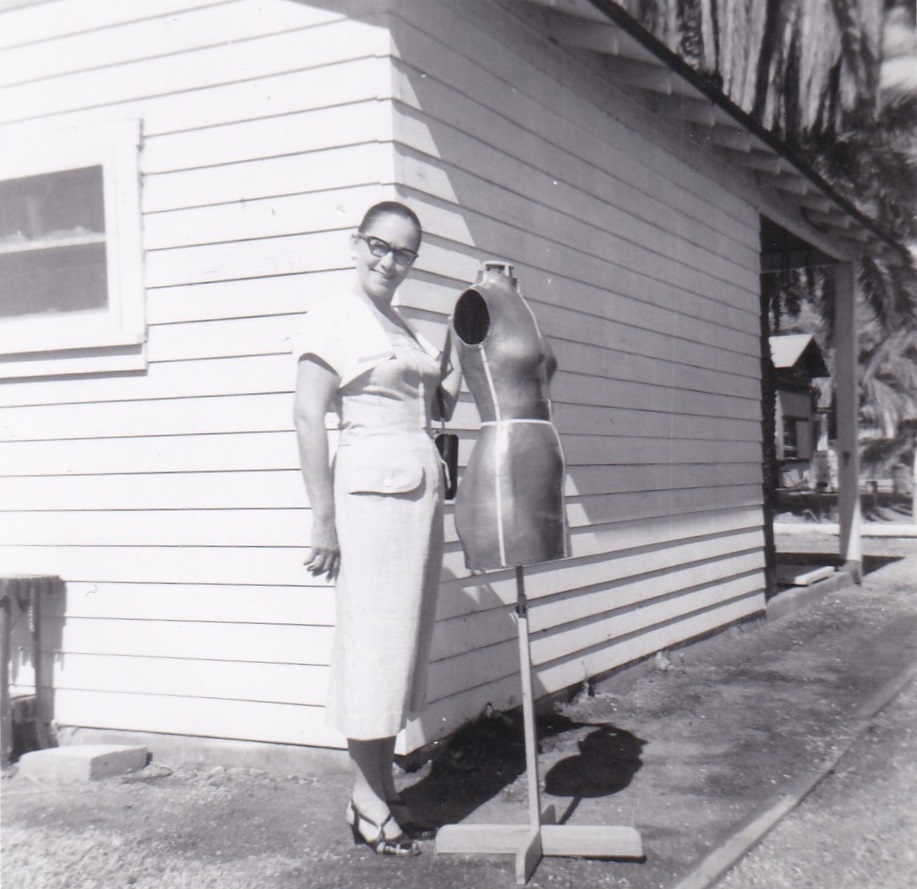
(379, 276)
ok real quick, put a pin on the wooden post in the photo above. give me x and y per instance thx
(847, 400)
(6, 711)
(541, 836)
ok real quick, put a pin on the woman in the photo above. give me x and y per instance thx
(377, 522)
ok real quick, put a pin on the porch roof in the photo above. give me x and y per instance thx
(637, 59)
(790, 350)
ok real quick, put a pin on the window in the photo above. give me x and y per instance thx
(70, 253)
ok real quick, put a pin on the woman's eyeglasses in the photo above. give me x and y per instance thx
(380, 248)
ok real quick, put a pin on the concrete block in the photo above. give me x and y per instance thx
(83, 762)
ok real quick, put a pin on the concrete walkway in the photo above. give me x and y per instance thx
(702, 750)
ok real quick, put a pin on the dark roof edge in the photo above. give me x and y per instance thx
(626, 22)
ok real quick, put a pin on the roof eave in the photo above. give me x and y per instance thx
(755, 148)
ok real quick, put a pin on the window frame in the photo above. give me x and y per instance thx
(115, 147)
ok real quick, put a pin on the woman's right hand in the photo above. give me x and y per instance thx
(325, 554)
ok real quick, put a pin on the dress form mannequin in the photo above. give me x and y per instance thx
(509, 510)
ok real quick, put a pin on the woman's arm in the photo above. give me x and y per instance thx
(450, 381)
(316, 384)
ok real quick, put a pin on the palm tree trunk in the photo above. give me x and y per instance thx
(914, 488)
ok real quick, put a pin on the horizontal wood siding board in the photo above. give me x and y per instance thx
(597, 524)
(300, 684)
(272, 529)
(256, 566)
(277, 450)
(271, 217)
(248, 27)
(232, 603)
(204, 640)
(243, 298)
(274, 373)
(197, 717)
(191, 378)
(283, 489)
(334, 168)
(272, 412)
(300, 132)
(44, 23)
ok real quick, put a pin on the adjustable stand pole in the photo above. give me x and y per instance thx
(541, 836)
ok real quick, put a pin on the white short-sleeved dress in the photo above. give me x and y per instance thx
(388, 511)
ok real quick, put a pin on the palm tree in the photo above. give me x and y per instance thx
(809, 70)
(797, 66)
(888, 394)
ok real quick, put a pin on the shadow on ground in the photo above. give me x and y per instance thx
(871, 563)
(487, 756)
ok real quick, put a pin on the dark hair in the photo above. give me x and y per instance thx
(391, 207)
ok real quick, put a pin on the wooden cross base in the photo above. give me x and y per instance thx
(530, 843)
(541, 836)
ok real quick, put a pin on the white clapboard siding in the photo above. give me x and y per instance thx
(273, 412)
(203, 717)
(171, 501)
(43, 22)
(301, 684)
(608, 260)
(151, 564)
(693, 557)
(544, 289)
(269, 177)
(277, 450)
(469, 668)
(283, 489)
(631, 254)
(559, 98)
(142, 30)
(297, 133)
(446, 714)
(270, 217)
(565, 205)
(209, 640)
(190, 602)
(242, 375)
(166, 416)
(218, 73)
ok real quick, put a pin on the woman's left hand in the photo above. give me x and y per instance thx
(325, 556)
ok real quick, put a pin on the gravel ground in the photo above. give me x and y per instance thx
(858, 829)
(686, 749)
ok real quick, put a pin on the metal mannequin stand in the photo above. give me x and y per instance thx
(541, 836)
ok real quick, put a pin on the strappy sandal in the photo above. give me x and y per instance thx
(380, 844)
(416, 830)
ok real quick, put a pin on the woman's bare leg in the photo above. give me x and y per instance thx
(372, 781)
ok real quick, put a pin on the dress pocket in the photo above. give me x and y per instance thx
(378, 471)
